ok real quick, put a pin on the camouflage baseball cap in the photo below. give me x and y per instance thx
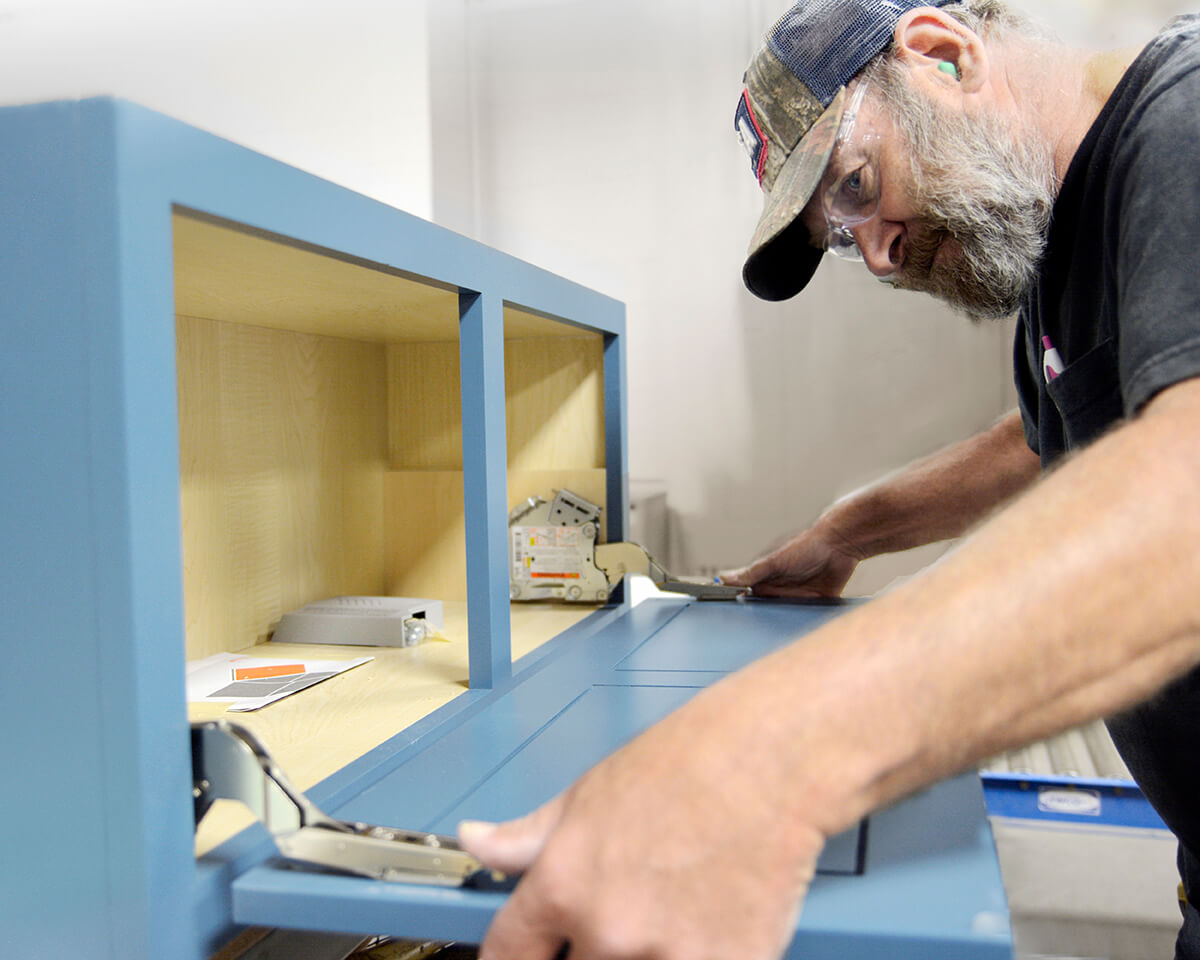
(788, 117)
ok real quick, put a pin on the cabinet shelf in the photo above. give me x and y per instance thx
(316, 733)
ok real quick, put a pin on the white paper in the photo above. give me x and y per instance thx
(212, 680)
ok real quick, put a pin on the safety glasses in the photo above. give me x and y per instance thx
(850, 187)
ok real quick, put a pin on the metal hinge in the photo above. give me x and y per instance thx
(229, 762)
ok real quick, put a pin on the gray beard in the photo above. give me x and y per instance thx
(983, 197)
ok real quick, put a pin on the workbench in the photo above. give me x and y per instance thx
(231, 388)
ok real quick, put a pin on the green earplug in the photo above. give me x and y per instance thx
(947, 67)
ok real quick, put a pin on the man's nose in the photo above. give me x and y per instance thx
(882, 244)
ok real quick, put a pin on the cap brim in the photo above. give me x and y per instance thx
(782, 267)
(782, 258)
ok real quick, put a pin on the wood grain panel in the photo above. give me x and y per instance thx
(424, 406)
(555, 410)
(425, 539)
(520, 322)
(426, 527)
(223, 272)
(282, 456)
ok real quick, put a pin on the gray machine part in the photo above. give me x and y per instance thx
(551, 547)
(362, 621)
(554, 555)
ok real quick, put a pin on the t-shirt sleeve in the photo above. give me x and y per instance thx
(1158, 251)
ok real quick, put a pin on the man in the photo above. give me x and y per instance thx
(960, 155)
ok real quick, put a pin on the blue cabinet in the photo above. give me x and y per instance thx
(230, 388)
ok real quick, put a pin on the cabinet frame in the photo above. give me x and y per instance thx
(88, 190)
(97, 808)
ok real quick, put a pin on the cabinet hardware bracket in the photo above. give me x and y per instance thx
(229, 762)
(554, 555)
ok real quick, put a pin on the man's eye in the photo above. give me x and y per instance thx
(857, 189)
(852, 186)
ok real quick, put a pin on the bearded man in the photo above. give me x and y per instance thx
(957, 153)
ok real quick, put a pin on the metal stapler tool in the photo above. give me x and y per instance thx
(229, 762)
(554, 555)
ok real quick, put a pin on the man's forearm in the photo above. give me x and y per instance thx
(1080, 599)
(939, 497)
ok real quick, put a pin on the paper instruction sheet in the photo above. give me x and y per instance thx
(262, 680)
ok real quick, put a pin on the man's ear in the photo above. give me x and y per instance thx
(926, 38)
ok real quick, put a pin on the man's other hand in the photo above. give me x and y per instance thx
(814, 563)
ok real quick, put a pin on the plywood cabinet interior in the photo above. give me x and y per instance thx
(321, 430)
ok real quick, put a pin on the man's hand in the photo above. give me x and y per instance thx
(676, 847)
(814, 563)
(937, 498)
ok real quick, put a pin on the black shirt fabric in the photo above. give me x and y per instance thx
(1119, 291)
(1118, 300)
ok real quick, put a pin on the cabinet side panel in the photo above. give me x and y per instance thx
(426, 534)
(424, 406)
(555, 402)
(54, 884)
(282, 457)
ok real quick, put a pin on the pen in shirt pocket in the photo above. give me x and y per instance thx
(1052, 364)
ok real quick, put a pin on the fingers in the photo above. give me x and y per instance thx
(521, 932)
(510, 847)
(789, 591)
(766, 579)
(749, 576)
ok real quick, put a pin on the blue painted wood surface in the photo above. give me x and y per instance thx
(481, 349)
(931, 886)
(616, 439)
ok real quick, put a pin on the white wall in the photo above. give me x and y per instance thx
(340, 89)
(602, 148)
(1103, 23)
